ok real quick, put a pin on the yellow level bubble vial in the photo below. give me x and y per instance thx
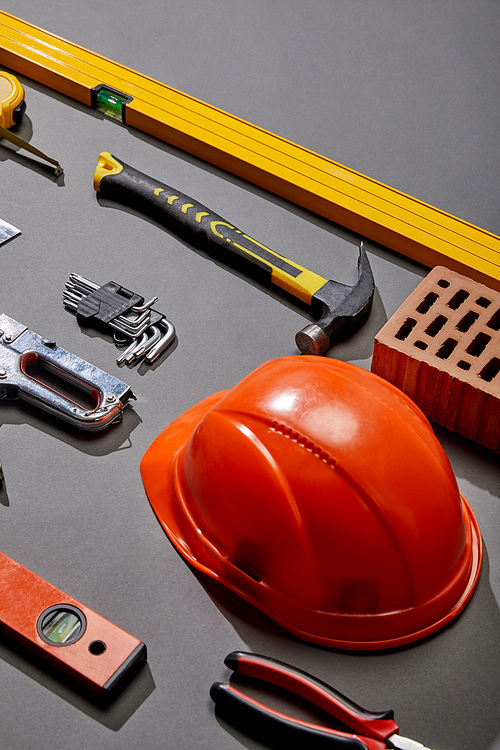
(110, 102)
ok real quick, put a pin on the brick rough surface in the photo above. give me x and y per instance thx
(442, 348)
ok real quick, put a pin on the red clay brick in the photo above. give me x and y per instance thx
(442, 348)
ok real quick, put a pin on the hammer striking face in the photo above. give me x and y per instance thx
(340, 309)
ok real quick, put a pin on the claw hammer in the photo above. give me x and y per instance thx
(338, 308)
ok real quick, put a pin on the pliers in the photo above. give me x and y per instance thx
(372, 730)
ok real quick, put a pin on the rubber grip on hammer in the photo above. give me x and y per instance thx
(197, 224)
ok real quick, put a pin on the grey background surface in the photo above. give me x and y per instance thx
(405, 92)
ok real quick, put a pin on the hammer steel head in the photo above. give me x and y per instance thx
(340, 308)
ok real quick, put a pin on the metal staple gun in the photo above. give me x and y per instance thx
(30, 366)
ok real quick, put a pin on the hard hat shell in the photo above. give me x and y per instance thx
(319, 492)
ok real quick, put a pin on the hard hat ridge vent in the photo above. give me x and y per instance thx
(304, 441)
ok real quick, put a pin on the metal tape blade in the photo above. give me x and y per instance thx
(7, 231)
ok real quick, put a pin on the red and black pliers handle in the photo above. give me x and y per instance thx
(372, 730)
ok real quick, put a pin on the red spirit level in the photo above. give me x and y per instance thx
(71, 637)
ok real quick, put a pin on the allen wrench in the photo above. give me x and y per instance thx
(145, 332)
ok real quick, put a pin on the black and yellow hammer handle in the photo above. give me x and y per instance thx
(336, 305)
(183, 215)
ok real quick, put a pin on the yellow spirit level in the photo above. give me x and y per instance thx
(325, 187)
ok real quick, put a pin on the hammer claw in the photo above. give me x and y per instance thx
(341, 309)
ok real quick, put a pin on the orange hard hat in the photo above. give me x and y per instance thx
(319, 492)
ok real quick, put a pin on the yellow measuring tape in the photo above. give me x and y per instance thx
(12, 106)
(365, 206)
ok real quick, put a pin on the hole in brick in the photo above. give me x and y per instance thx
(406, 329)
(420, 344)
(483, 302)
(478, 345)
(467, 321)
(490, 370)
(443, 283)
(494, 322)
(446, 349)
(458, 299)
(463, 365)
(436, 325)
(427, 302)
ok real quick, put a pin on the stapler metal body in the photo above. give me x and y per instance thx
(22, 351)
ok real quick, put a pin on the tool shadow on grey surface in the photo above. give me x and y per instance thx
(360, 342)
(335, 306)
(116, 437)
(461, 659)
(143, 367)
(471, 461)
(4, 497)
(8, 151)
(317, 220)
(112, 714)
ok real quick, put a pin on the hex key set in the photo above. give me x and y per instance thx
(145, 332)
